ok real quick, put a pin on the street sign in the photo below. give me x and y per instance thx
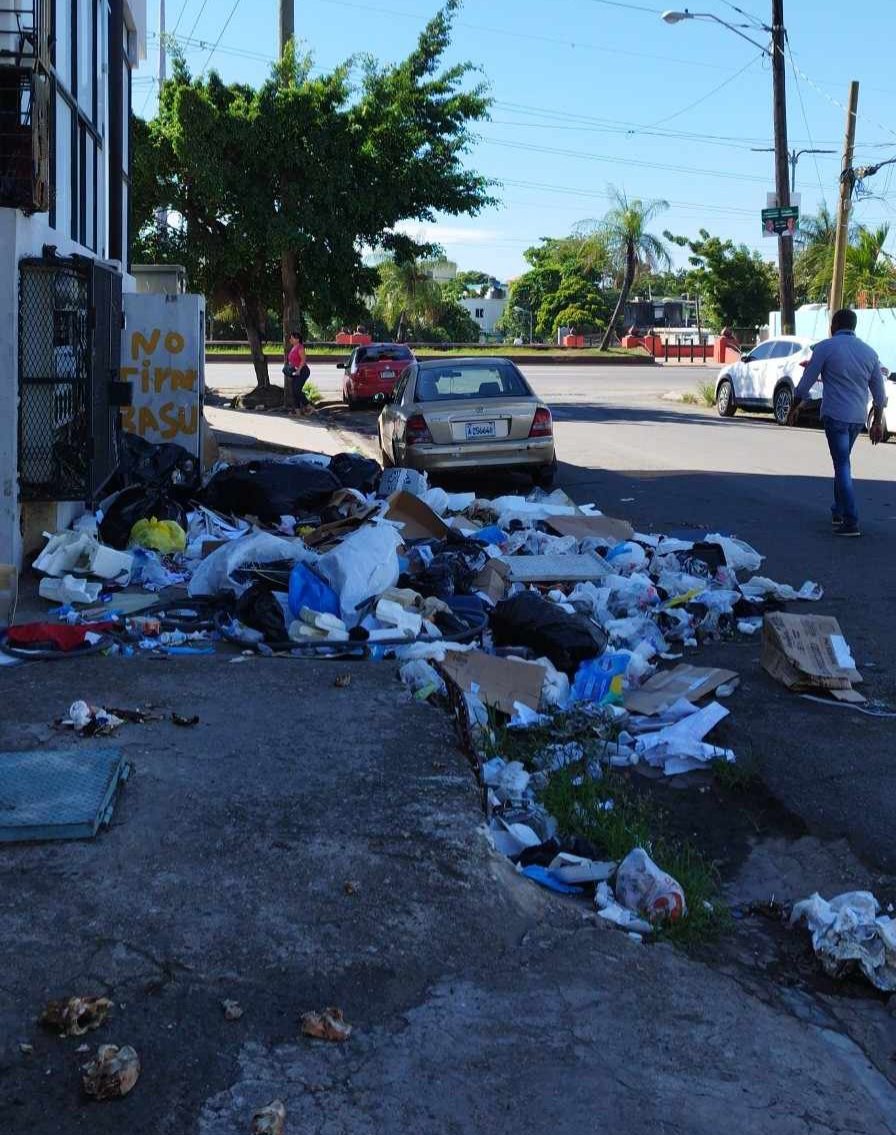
(780, 221)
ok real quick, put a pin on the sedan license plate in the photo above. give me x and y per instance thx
(480, 429)
(387, 374)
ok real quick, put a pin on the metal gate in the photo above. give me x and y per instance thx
(69, 344)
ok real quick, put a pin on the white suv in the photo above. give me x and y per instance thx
(766, 378)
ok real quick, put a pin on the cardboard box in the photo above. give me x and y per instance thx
(809, 653)
(586, 527)
(493, 580)
(417, 518)
(499, 682)
(666, 687)
(329, 535)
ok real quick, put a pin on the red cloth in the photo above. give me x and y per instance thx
(60, 635)
(296, 356)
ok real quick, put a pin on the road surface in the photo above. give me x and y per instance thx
(671, 467)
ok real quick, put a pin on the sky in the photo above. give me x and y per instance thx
(590, 94)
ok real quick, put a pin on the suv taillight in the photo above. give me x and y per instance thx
(416, 432)
(542, 424)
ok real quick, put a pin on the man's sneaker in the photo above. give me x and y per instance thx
(836, 520)
(848, 530)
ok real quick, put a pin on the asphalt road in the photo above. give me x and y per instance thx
(670, 467)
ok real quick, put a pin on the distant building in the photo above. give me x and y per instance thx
(661, 311)
(442, 270)
(487, 310)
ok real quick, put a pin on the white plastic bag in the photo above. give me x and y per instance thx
(642, 887)
(362, 566)
(214, 574)
(738, 555)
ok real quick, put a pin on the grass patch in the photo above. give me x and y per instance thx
(706, 393)
(690, 399)
(615, 817)
(312, 393)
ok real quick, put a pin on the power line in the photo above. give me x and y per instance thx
(754, 20)
(198, 18)
(709, 94)
(204, 45)
(236, 4)
(183, 9)
(593, 193)
(630, 7)
(799, 91)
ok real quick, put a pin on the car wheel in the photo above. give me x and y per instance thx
(344, 396)
(545, 475)
(783, 403)
(725, 403)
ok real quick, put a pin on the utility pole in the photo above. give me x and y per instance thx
(782, 180)
(846, 185)
(287, 22)
(161, 76)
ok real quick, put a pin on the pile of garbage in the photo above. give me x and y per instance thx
(514, 609)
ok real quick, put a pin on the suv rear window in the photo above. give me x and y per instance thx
(384, 354)
(439, 384)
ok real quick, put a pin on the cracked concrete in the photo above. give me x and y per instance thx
(479, 1002)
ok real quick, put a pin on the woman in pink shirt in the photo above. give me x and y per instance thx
(298, 372)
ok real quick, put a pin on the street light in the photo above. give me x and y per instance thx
(782, 157)
(795, 156)
(526, 311)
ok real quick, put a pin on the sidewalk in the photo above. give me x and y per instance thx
(273, 430)
(476, 998)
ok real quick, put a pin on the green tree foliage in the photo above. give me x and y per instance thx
(277, 190)
(869, 277)
(737, 287)
(466, 285)
(631, 249)
(566, 274)
(414, 307)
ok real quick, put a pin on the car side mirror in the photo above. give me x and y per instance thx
(340, 366)
(746, 358)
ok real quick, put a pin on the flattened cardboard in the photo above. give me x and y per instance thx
(329, 535)
(587, 527)
(499, 682)
(667, 686)
(493, 579)
(418, 519)
(556, 569)
(797, 651)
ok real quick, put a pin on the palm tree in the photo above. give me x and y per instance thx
(869, 270)
(630, 247)
(814, 265)
(407, 294)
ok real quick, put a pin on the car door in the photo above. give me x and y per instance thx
(391, 412)
(777, 368)
(751, 372)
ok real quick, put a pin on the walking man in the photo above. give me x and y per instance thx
(848, 369)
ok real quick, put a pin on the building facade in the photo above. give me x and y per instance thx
(65, 115)
(487, 309)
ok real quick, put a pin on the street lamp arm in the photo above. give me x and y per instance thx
(676, 17)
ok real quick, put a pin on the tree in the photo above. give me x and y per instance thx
(406, 295)
(630, 248)
(869, 276)
(869, 270)
(467, 284)
(737, 287)
(280, 188)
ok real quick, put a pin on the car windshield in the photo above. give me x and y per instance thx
(384, 354)
(443, 383)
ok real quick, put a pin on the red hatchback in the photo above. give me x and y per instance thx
(372, 371)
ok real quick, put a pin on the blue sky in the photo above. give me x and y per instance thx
(596, 92)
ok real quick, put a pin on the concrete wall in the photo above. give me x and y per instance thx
(876, 326)
(492, 310)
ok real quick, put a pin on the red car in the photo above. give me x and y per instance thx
(372, 371)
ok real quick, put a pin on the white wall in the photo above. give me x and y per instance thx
(492, 310)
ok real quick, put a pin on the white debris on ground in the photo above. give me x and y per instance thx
(849, 933)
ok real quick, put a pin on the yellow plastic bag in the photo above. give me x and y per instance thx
(164, 536)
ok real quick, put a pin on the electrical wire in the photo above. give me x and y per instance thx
(204, 45)
(709, 94)
(236, 4)
(183, 9)
(198, 18)
(799, 91)
(593, 193)
(754, 20)
(630, 7)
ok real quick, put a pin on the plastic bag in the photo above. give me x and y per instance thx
(270, 489)
(401, 481)
(363, 565)
(138, 502)
(738, 555)
(257, 608)
(307, 589)
(163, 536)
(143, 463)
(601, 680)
(529, 620)
(355, 471)
(213, 576)
(642, 887)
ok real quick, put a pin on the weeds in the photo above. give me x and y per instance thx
(616, 818)
(312, 393)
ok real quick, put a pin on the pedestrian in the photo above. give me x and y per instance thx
(848, 369)
(297, 372)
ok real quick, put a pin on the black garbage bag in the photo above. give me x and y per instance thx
(356, 472)
(270, 489)
(142, 463)
(258, 609)
(548, 630)
(138, 502)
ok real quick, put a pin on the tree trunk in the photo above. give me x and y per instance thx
(627, 281)
(292, 312)
(399, 331)
(250, 316)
